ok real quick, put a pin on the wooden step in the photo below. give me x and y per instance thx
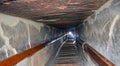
(68, 55)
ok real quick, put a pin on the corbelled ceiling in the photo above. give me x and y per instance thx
(58, 13)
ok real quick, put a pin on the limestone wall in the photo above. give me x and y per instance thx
(42, 57)
(102, 31)
(18, 34)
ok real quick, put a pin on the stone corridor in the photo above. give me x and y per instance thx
(25, 24)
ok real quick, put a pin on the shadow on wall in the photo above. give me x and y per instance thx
(102, 31)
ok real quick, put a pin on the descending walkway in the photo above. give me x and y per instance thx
(68, 55)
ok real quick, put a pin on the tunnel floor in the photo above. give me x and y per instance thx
(68, 55)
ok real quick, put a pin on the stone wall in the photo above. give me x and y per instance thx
(18, 34)
(102, 31)
(42, 57)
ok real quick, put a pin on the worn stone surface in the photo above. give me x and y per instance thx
(102, 32)
(35, 36)
(10, 52)
(44, 32)
(17, 35)
(2, 55)
(2, 42)
(22, 34)
(25, 62)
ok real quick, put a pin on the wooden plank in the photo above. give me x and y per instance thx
(18, 57)
(101, 60)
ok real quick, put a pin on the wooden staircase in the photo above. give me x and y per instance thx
(68, 55)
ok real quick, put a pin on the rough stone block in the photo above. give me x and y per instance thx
(47, 33)
(103, 32)
(17, 35)
(2, 41)
(35, 37)
(2, 55)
